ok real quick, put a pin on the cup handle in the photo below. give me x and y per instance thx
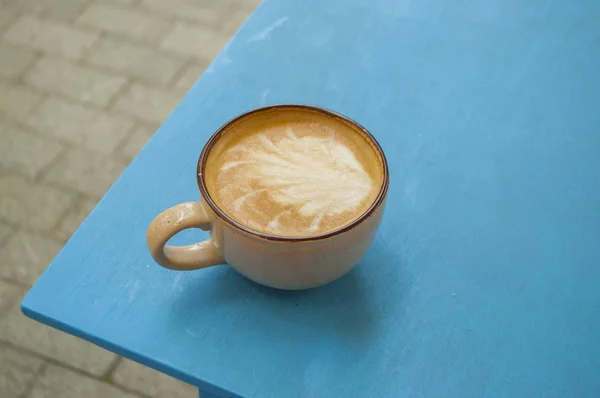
(183, 258)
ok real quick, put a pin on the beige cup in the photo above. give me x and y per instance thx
(290, 263)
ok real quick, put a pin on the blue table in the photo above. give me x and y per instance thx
(484, 279)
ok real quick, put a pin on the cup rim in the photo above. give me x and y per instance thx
(279, 238)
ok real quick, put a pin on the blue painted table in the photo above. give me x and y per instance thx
(484, 279)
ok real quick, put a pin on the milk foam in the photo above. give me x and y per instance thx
(286, 181)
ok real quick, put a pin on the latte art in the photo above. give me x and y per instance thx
(293, 179)
(317, 176)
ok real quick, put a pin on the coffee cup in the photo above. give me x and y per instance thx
(292, 196)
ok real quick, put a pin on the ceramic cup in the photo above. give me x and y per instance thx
(290, 263)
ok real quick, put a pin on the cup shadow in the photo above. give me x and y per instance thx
(348, 308)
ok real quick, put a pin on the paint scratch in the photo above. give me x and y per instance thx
(175, 283)
(190, 332)
(264, 34)
(263, 97)
(133, 288)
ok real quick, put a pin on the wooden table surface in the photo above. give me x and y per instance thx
(484, 279)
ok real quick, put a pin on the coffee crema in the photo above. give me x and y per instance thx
(293, 172)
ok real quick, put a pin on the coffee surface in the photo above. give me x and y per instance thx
(293, 172)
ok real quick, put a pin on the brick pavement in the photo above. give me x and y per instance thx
(83, 85)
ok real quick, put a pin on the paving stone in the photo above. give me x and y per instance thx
(140, 61)
(60, 382)
(148, 381)
(9, 294)
(77, 124)
(17, 371)
(25, 256)
(13, 60)
(5, 231)
(150, 104)
(75, 81)
(20, 331)
(130, 22)
(31, 205)
(136, 142)
(50, 37)
(195, 41)
(86, 171)
(123, 2)
(202, 11)
(58, 9)
(190, 76)
(17, 101)
(247, 5)
(59, 101)
(7, 16)
(24, 152)
(234, 21)
(73, 220)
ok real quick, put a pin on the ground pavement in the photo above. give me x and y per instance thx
(83, 85)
